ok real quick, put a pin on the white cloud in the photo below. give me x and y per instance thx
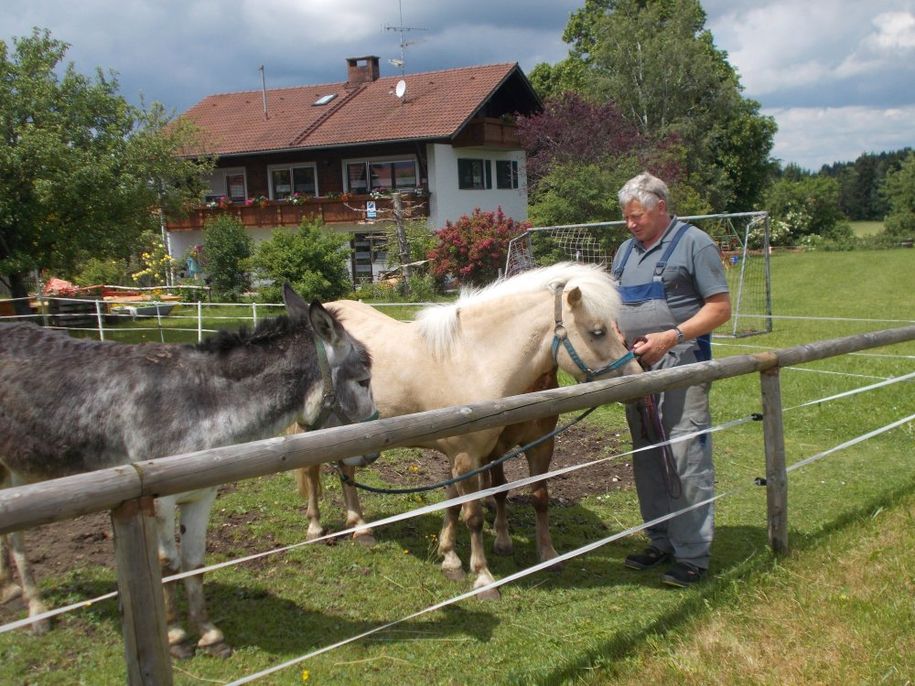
(814, 136)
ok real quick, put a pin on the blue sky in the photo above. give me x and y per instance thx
(837, 75)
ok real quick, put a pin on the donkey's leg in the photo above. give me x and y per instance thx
(308, 481)
(194, 517)
(451, 563)
(473, 518)
(29, 588)
(178, 644)
(9, 589)
(363, 533)
(538, 460)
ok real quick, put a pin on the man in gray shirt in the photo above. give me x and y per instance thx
(674, 294)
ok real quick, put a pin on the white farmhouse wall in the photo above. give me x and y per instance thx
(448, 202)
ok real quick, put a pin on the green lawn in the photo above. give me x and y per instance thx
(838, 609)
(866, 228)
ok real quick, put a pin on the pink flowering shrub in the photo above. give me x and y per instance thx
(473, 248)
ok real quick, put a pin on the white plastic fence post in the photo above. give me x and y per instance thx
(199, 322)
(98, 316)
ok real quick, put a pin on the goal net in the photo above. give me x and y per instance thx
(742, 239)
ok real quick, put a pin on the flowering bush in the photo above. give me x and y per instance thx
(221, 201)
(299, 198)
(474, 248)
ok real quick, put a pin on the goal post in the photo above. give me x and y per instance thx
(742, 239)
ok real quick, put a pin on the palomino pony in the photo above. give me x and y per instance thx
(69, 406)
(503, 340)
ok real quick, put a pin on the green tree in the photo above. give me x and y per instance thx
(899, 191)
(807, 206)
(80, 168)
(226, 249)
(657, 63)
(310, 258)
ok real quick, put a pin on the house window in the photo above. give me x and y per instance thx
(506, 174)
(285, 181)
(474, 174)
(235, 187)
(380, 175)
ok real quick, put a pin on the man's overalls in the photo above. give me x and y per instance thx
(668, 480)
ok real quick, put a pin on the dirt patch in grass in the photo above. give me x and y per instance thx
(55, 549)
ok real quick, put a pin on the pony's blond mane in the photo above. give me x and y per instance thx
(440, 324)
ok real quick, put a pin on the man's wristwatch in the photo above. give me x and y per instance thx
(680, 336)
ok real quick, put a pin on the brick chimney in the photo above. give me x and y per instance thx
(362, 69)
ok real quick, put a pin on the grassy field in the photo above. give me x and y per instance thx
(838, 609)
(866, 228)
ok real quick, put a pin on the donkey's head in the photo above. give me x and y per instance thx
(345, 365)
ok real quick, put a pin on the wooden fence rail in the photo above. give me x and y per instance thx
(126, 489)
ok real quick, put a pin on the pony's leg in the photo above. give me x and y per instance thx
(452, 567)
(9, 589)
(194, 517)
(29, 588)
(473, 518)
(503, 543)
(538, 460)
(178, 643)
(308, 481)
(363, 533)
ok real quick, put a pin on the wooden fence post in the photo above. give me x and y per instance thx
(776, 475)
(140, 598)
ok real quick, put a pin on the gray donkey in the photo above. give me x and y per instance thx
(69, 406)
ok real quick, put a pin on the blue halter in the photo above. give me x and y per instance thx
(560, 336)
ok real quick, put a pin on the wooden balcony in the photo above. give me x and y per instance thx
(351, 210)
(490, 132)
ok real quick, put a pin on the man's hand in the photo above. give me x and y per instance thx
(653, 346)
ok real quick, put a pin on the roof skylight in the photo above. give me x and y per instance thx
(324, 99)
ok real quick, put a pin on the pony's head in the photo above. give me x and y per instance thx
(345, 366)
(587, 342)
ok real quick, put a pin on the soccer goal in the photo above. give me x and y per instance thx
(742, 238)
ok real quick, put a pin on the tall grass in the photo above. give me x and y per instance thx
(838, 609)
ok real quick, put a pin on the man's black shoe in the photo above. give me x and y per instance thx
(648, 558)
(683, 575)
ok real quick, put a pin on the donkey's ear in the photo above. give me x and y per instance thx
(323, 324)
(296, 308)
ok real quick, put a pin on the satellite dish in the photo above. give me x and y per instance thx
(400, 89)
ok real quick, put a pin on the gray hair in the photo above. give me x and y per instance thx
(645, 188)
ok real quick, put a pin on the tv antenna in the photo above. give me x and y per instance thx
(400, 63)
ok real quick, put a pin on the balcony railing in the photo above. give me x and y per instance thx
(349, 209)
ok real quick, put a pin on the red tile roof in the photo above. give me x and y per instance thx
(436, 105)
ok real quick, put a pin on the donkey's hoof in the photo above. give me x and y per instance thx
(364, 539)
(10, 592)
(41, 627)
(181, 651)
(453, 573)
(221, 649)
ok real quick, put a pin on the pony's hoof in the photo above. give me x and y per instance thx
(181, 651)
(221, 649)
(503, 548)
(453, 573)
(314, 534)
(557, 566)
(364, 539)
(490, 594)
